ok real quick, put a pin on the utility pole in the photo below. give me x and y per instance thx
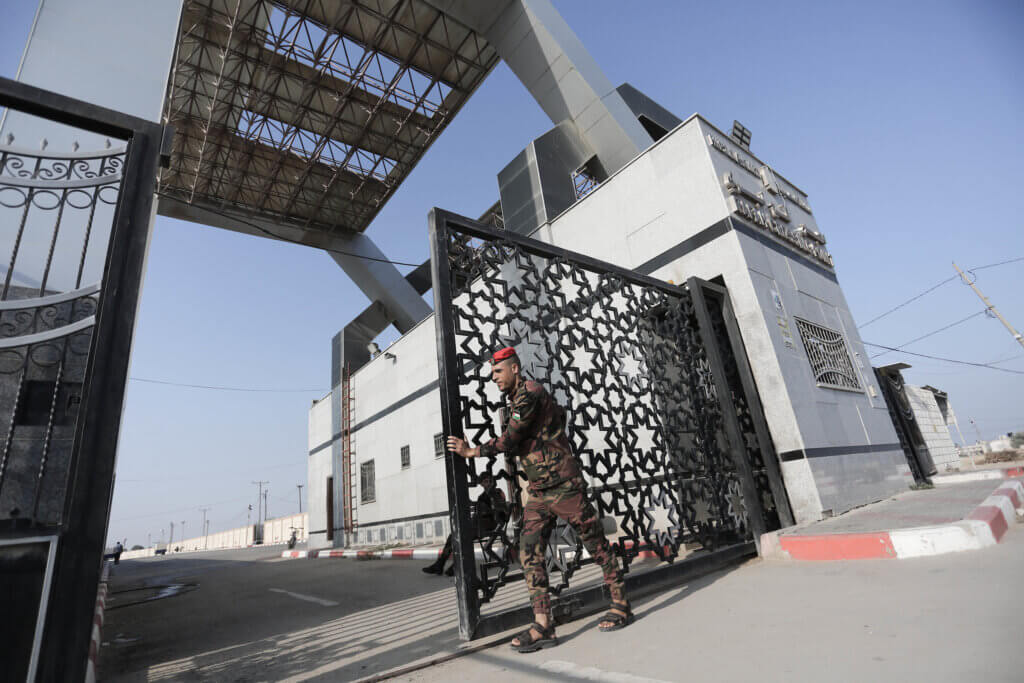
(203, 510)
(990, 306)
(170, 539)
(299, 486)
(266, 515)
(259, 496)
(183, 531)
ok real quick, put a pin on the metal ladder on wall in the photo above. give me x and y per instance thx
(350, 511)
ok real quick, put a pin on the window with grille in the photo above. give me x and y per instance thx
(405, 457)
(438, 445)
(829, 357)
(367, 487)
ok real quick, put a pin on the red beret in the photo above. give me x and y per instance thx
(503, 354)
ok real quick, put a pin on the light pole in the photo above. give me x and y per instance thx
(299, 486)
(203, 528)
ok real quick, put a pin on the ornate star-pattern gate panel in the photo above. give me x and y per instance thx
(671, 460)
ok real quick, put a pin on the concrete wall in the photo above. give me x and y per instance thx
(659, 215)
(279, 529)
(239, 537)
(397, 403)
(319, 469)
(934, 428)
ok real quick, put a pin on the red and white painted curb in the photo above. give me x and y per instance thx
(985, 526)
(405, 554)
(97, 625)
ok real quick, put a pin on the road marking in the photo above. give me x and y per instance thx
(307, 598)
(591, 673)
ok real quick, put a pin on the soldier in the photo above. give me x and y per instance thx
(536, 435)
(491, 513)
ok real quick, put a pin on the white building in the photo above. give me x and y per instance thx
(697, 202)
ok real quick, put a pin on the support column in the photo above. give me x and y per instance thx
(547, 57)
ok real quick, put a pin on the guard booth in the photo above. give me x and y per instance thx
(662, 407)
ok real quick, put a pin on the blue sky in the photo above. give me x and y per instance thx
(903, 126)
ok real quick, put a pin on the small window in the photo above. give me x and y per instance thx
(438, 445)
(367, 488)
(829, 357)
(405, 457)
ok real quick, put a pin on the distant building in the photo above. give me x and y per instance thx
(1003, 443)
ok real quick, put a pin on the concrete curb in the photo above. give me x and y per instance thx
(97, 625)
(985, 526)
(400, 554)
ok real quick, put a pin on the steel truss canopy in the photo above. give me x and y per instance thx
(311, 113)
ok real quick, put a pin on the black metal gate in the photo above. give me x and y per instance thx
(73, 230)
(663, 411)
(894, 391)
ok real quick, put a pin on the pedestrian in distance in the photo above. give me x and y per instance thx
(536, 435)
(491, 513)
(118, 549)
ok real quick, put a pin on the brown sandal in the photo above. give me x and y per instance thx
(527, 643)
(617, 620)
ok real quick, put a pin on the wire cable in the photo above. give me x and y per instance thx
(947, 360)
(908, 301)
(936, 286)
(941, 329)
(218, 388)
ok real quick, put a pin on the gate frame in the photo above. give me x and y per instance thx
(67, 631)
(594, 599)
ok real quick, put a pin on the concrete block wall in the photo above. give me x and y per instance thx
(934, 428)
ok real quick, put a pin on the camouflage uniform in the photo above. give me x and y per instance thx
(536, 435)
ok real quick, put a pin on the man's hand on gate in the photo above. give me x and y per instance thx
(460, 447)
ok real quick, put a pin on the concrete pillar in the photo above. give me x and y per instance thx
(547, 57)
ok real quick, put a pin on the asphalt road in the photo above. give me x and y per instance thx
(247, 615)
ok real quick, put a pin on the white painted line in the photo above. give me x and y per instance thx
(592, 673)
(307, 598)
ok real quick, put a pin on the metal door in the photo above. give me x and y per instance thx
(669, 456)
(74, 224)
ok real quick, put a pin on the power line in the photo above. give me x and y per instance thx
(925, 336)
(168, 512)
(268, 233)
(993, 265)
(948, 360)
(219, 388)
(936, 286)
(908, 301)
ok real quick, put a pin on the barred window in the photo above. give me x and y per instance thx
(367, 487)
(438, 445)
(829, 357)
(405, 457)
